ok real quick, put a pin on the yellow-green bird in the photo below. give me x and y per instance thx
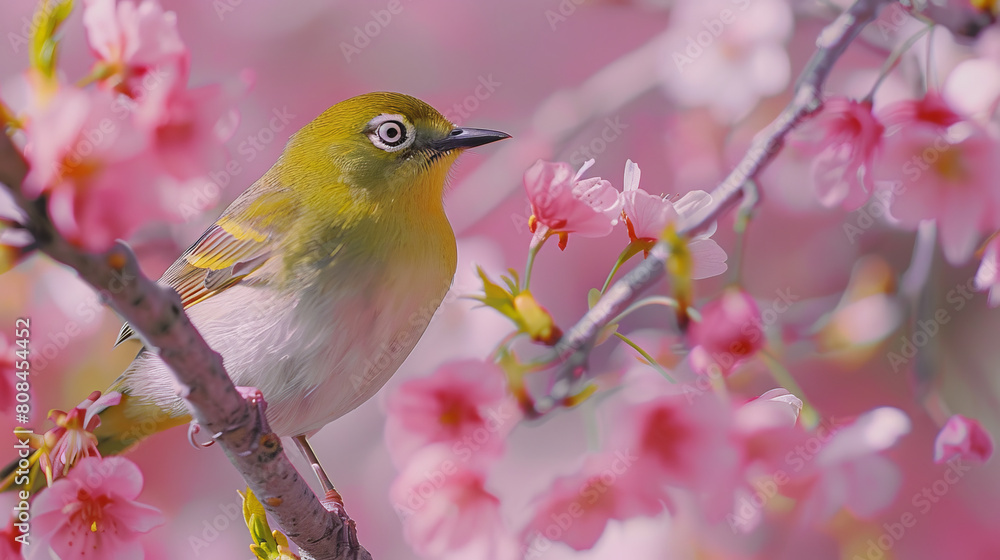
(319, 279)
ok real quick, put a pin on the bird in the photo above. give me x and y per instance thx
(317, 281)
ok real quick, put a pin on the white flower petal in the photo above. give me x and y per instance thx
(583, 168)
(709, 258)
(631, 176)
(692, 202)
(873, 431)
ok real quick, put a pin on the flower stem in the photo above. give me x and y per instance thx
(809, 417)
(99, 72)
(893, 60)
(652, 300)
(536, 244)
(627, 253)
(504, 345)
(8, 118)
(645, 355)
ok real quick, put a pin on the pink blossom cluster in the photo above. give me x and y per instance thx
(927, 158)
(562, 203)
(89, 509)
(704, 458)
(126, 144)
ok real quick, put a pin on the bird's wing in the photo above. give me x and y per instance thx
(225, 254)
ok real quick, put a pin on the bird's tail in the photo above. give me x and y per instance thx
(122, 427)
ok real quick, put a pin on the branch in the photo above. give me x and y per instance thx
(156, 313)
(573, 349)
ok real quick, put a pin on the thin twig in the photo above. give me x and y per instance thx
(156, 313)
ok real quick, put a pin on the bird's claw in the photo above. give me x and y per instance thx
(252, 395)
(193, 429)
(334, 503)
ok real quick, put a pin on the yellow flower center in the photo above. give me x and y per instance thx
(950, 165)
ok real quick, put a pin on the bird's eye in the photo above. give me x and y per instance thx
(390, 132)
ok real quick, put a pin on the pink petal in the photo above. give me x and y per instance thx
(445, 504)
(139, 518)
(648, 213)
(872, 484)
(986, 275)
(872, 432)
(775, 408)
(964, 437)
(708, 257)
(112, 398)
(691, 203)
(110, 475)
(632, 175)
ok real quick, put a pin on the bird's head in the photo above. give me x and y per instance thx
(384, 146)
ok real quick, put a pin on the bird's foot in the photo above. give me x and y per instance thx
(252, 395)
(334, 503)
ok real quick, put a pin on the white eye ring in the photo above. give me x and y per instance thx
(390, 132)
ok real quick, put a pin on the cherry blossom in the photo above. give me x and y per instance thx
(683, 443)
(563, 203)
(462, 405)
(137, 44)
(843, 140)
(576, 508)
(184, 128)
(849, 471)
(447, 509)
(730, 331)
(647, 215)
(940, 166)
(92, 512)
(716, 43)
(73, 437)
(9, 547)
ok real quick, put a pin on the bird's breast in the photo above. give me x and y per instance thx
(329, 346)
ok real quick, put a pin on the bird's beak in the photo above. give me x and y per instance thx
(461, 138)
